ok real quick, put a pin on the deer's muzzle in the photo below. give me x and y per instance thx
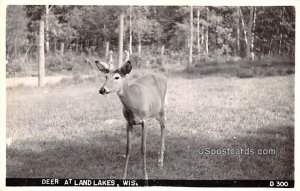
(103, 91)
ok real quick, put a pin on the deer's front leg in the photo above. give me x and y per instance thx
(143, 149)
(128, 148)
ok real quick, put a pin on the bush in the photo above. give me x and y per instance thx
(176, 62)
(17, 68)
(70, 62)
(12, 69)
(76, 79)
(243, 68)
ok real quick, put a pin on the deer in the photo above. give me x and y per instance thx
(143, 99)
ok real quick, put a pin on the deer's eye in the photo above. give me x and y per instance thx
(117, 77)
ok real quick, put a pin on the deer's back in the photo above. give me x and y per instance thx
(154, 82)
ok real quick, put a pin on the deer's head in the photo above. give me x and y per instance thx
(113, 78)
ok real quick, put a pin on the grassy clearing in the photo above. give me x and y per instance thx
(70, 131)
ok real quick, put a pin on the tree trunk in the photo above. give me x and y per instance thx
(139, 44)
(95, 41)
(252, 54)
(280, 30)
(15, 47)
(238, 47)
(206, 35)
(55, 45)
(41, 75)
(162, 52)
(88, 51)
(249, 33)
(110, 57)
(47, 28)
(202, 36)
(62, 47)
(280, 44)
(198, 33)
(121, 29)
(130, 31)
(106, 50)
(191, 39)
(25, 60)
(76, 45)
(243, 26)
(270, 45)
(81, 46)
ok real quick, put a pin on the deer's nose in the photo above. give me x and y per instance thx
(102, 91)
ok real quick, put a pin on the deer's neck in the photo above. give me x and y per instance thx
(125, 95)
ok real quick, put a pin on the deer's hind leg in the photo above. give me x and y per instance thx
(143, 149)
(162, 122)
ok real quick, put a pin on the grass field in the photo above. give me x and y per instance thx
(70, 131)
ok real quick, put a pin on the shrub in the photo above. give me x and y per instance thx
(17, 68)
(243, 68)
(76, 79)
(70, 62)
(212, 64)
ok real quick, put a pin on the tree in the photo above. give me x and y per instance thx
(16, 33)
(130, 30)
(41, 77)
(121, 31)
(47, 27)
(206, 31)
(244, 30)
(252, 54)
(198, 33)
(274, 30)
(141, 24)
(249, 33)
(248, 29)
(221, 31)
(237, 25)
(191, 39)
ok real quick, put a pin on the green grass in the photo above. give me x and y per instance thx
(66, 131)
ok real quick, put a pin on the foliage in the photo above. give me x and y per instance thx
(69, 63)
(86, 29)
(16, 31)
(265, 66)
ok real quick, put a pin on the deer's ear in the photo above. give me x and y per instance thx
(125, 69)
(102, 66)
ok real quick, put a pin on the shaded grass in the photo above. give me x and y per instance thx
(244, 68)
(63, 131)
